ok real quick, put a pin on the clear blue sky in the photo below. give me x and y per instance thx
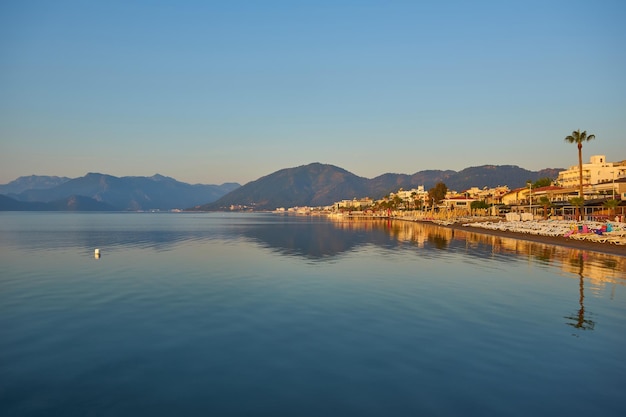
(219, 91)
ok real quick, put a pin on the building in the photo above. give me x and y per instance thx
(597, 171)
(354, 203)
(458, 202)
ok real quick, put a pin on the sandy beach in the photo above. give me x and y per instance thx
(605, 248)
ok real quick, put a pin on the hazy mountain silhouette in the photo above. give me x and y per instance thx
(31, 182)
(314, 184)
(125, 193)
(71, 203)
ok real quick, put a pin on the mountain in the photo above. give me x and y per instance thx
(72, 203)
(126, 193)
(313, 184)
(495, 175)
(10, 204)
(320, 185)
(31, 182)
(386, 183)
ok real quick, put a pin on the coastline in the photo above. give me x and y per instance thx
(605, 248)
(458, 224)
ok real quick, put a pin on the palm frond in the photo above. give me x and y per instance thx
(579, 137)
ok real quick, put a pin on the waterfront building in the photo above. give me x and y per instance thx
(597, 171)
(354, 203)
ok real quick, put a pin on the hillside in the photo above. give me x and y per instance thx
(124, 193)
(72, 203)
(31, 182)
(319, 184)
(313, 184)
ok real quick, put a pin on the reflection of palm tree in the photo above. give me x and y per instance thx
(579, 320)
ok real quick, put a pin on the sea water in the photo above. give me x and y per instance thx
(262, 314)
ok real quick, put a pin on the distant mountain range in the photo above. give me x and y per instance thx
(308, 185)
(31, 182)
(320, 185)
(100, 192)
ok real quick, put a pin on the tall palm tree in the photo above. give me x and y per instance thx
(578, 138)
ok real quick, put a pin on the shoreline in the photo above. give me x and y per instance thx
(605, 248)
(562, 241)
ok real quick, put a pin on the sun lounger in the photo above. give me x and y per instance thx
(616, 240)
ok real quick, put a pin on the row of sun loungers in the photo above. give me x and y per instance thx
(590, 231)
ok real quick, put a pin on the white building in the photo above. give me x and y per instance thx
(354, 203)
(597, 171)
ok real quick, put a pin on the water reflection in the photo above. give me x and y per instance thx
(578, 320)
(429, 236)
(596, 268)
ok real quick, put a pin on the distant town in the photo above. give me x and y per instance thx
(604, 196)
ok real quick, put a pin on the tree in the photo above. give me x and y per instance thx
(478, 205)
(578, 138)
(414, 199)
(546, 203)
(438, 192)
(542, 182)
(397, 201)
(577, 202)
(611, 205)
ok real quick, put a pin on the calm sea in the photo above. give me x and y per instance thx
(269, 315)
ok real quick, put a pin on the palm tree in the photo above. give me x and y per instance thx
(546, 203)
(611, 205)
(578, 138)
(577, 202)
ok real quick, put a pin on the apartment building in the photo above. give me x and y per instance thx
(597, 171)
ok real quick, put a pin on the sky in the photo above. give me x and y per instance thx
(230, 91)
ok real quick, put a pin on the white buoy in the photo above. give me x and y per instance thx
(96, 253)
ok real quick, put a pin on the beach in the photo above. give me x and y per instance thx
(606, 248)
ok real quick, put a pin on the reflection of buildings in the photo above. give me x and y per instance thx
(400, 231)
(599, 269)
(593, 271)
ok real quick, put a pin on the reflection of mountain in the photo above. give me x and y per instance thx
(311, 238)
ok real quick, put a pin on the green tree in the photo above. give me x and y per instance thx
(414, 199)
(542, 182)
(546, 204)
(577, 202)
(611, 205)
(578, 138)
(438, 192)
(479, 205)
(397, 201)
